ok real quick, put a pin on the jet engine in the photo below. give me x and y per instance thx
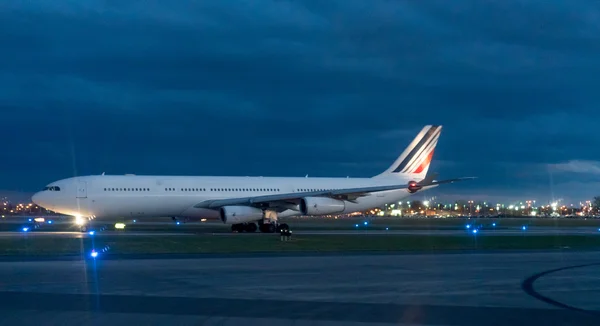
(413, 187)
(321, 206)
(239, 214)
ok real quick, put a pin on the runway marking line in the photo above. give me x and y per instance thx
(528, 287)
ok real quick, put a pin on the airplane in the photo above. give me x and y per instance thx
(243, 202)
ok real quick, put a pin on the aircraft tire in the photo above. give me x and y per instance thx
(250, 227)
(268, 228)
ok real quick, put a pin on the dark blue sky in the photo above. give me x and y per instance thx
(286, 88)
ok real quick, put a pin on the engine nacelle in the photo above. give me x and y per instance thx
(321, 206)
(239, 214)
(413, 187)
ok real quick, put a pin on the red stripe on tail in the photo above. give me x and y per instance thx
(425, 163)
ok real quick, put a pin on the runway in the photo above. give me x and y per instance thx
(417, 289)
(80, 235)
(483, 231)
(542, 231)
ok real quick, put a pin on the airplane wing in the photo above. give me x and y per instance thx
(349, 194)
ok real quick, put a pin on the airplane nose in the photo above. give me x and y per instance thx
(36, 198)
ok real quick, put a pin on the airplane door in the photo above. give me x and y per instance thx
(81, 189)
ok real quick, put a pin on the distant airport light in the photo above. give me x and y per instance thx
(355, 225)
(494, 224)
(39, 219)
(524, 228)
(119, 225)
(50, 222)
(387, 229)
(29, 220)
(475, 231)
(366, 223)
(94, 254)
(25, 229)
(92, 232)
(468, 226)
(177, 223)
(134, 221)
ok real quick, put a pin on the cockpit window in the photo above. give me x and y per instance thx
(52, 188)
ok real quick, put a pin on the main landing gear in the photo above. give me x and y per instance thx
(268, 224)
(264, 228)
(244, 227)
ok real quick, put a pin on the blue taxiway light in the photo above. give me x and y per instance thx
(355, 225)
(493, 224)
(177, 223)
(92, 232)
(366, 223)
(524, 228)
(29, 220)
(468, 226)
(94, 254)
(387, 229)
(475, 231)
(25, 229)
(49, 222)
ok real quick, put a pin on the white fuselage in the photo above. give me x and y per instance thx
(175, 196)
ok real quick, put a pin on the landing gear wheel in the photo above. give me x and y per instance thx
(283, 227)
(268, 228)
(250, 227)
(237, 227)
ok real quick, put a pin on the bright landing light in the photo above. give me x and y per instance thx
(79, 220)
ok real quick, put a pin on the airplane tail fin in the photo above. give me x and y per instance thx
(415, 159)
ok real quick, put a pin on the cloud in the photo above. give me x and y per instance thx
(330, 88)
(577, 166)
